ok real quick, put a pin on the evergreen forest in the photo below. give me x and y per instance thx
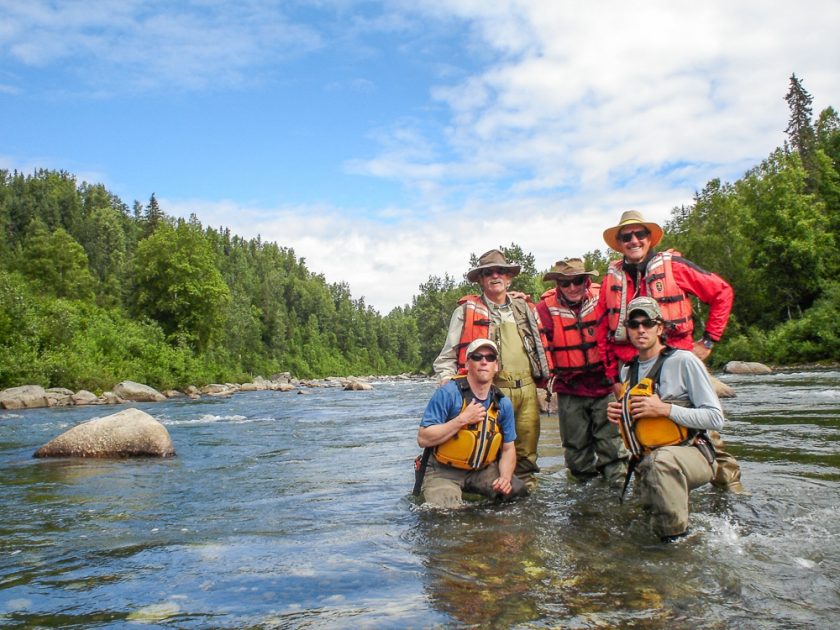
(93, 292)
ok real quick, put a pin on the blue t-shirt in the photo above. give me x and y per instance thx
(446, 403)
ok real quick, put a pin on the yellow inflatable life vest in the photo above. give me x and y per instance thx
(646, 434)
(478, 444)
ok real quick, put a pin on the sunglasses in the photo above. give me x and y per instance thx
(626, 237)
(495, 270)
(477, 357)
(633, 324)
(574, 281)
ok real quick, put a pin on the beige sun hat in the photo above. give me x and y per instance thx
(490, 260)
(568, 269)
(632, 217)
(481, 343)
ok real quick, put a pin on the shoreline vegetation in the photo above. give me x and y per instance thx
(94, 292)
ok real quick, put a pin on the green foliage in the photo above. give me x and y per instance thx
(178, 285)
(56, 264)
(432, 309)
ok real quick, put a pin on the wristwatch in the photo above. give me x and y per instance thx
(708, 343)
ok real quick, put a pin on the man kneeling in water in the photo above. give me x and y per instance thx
(468, 427)
(667, 404)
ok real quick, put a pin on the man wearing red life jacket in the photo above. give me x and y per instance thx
(513, 325)
(592, 444)
(670, 279)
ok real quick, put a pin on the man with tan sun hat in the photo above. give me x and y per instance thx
(670, 279)
(513, 324)
(591, 444)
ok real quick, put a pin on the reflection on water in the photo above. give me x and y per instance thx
(295, 511)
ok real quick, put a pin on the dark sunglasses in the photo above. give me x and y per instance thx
(635, 323)
(626, 237)
(574, 281)
(477, 356)
(489, 272)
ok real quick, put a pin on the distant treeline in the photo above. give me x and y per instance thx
(93, 292)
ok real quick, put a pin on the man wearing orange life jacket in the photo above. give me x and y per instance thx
(592, 444)
(670, 279)
(513, 325)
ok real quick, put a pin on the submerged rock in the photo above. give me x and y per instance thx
(722, 389)
(746, 367)
(129, 433)
(357, 386)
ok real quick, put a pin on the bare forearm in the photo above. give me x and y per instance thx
(507, 462)
(437, 433)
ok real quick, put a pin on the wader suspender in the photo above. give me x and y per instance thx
(627, 420)
(421, 462)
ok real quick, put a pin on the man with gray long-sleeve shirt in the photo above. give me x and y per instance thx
(666, 406)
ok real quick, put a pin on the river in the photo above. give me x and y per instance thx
(294, 511)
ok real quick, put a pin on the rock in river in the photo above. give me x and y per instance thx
(129, 433)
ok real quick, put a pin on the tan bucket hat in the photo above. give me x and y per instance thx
(632, 217)
(490, 260)
(567, 269)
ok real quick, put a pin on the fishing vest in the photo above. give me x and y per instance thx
(660, 285)
(647, 434)
(478, 444)
(572, 345)
(478, 325)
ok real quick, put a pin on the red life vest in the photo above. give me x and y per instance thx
(573, 346)
(660, 285)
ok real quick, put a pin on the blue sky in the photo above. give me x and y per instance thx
(386, 141)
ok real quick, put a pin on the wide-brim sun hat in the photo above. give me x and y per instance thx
(632, 217)
(568, 268)
(491, 260)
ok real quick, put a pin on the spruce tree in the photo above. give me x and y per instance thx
(800, 131)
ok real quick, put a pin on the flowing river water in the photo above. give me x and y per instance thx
(294, 511)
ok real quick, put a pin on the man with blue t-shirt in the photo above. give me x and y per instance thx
(468, 432)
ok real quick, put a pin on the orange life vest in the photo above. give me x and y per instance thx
(660, 285)
(572, 345)
(477, 326)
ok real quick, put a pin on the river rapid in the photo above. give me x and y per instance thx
(295, 511)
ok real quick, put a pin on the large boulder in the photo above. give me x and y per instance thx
(137, 392)
(24, 397)
(746, 367)
(129, 433)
